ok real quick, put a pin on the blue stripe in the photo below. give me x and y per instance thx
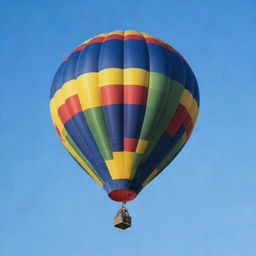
(190, 81)
(114, 121)
(89, 59)
(133, 119)
(159, 59)
(79, 132)
(136, 54)
(116, 184)
(70, 68)
(177, 68)
(111, 54)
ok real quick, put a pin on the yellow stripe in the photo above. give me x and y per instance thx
(68, 89)
(186, 99)
(141, 146)
(190, 104)
(193, 111)
(129, 76)
(149, 36)
(116, 32)
(55, 117)
(136, 76)
(110, 76)
(122, 165)
(88, 90)
(129, 163)
(132, 32)
(116, 165)
(100, 35)
(84, 42)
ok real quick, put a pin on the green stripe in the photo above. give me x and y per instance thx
(162, 115)
(76, 149)
(158, 90)
(96, 122)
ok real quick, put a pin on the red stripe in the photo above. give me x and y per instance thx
(112, 94)
(63, 113)
(177, 120)
(71, 107)
(96, 40)
(120, 37)
(81, 47)
(135, 94)
(73, 104)
(134, 37)
(130, 144)
(187, 121)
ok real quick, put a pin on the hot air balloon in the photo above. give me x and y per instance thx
(124, 104)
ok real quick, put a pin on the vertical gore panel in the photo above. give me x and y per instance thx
(89, 59)
(111, 56)
(70, 67)
(135, 56)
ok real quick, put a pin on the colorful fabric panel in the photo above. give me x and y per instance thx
(124, 104)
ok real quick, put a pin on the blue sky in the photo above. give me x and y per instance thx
(203, 204)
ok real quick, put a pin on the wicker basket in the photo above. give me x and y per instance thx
(122, 221)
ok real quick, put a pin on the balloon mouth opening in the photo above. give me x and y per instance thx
(122, 195)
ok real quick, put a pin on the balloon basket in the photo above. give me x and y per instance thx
(122, 219)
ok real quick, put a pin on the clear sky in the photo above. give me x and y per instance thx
(203, 204)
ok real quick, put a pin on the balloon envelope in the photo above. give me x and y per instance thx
(124, 104)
